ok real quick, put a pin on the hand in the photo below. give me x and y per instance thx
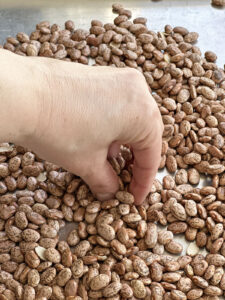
(83, 114)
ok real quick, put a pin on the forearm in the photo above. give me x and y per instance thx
(17, 98)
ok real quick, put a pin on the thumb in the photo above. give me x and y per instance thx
(102, 180)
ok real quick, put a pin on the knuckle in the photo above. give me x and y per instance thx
(134, 79)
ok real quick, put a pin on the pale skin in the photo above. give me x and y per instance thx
(76, 116)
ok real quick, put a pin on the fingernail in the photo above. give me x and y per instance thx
(104, 196)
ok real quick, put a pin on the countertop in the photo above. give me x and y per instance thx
(196, 15)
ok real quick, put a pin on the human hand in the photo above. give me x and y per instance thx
(83, 114)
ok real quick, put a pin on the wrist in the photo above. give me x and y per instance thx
(18, 92)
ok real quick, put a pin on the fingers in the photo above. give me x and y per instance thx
(114, 149)
(141, 125)
(147, 151)
(147, 155)
(102, 180)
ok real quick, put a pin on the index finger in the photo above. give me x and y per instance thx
(147, 156)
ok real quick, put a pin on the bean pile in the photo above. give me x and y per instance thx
(116, 250)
